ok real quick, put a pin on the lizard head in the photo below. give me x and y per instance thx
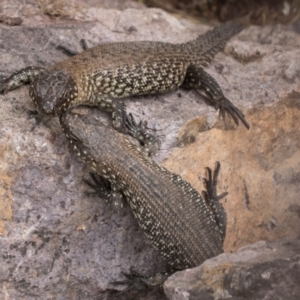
(52, 92)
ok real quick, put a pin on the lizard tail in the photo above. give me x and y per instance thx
(204, 48)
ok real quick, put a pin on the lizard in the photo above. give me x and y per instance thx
(184, 226)
(105, 74)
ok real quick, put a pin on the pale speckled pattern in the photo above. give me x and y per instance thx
(120, 69)
(106, 73)
(172, 214)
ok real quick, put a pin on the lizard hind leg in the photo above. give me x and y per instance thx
(105, 190)
(212, 199)
(196, 78)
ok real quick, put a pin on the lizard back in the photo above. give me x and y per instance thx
(124, 69)
(170, 211)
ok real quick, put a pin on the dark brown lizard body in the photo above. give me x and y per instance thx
(106, 73)
(185, 228)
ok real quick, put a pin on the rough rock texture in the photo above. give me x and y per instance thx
(264, 270)
(58, 243)
(254, 12)
(260, 170)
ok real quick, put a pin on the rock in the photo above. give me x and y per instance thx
(259, 169)
(264, 270)
(57, 242)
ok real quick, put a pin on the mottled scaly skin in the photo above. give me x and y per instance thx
(137, 68)
(184, 227)
(108, 72)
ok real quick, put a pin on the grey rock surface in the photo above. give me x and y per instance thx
(264, 270)
(56, 242)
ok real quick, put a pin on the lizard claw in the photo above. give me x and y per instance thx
(210, 184)
(138, 131)
(212, 198)
(134, 129)
(226, 106)
(104, 189)
(100, 185)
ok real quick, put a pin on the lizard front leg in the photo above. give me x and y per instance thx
(114, 106)
(150, 143)
(19, 78)
(106, 190)
(198, 79)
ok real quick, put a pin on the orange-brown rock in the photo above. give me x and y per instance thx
(260, 169)
(56, 242)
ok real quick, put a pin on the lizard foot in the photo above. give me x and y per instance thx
(200, 80)
(105, 190)
(212, 199)
(210, 184)
(149, 142)
(225, 105)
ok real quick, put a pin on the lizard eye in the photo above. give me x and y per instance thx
(50, 92)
